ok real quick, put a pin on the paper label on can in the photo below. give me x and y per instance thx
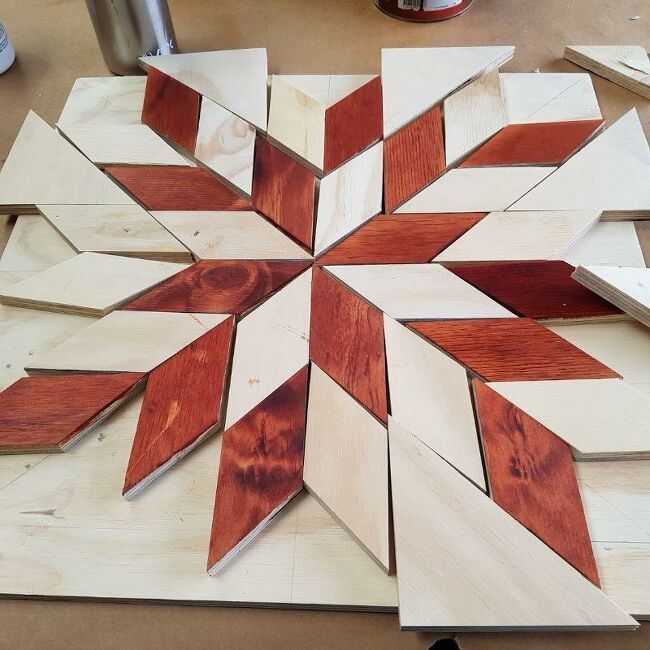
(427, 5)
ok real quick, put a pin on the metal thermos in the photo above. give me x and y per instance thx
(128, 29)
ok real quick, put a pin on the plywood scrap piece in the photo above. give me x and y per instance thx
(625, 65)
(43, 167)
(230, 235)
(89, 284)
(122, 144)
(414, 79)
(612, 243)
(272, 344)
(540, 290)
(127, 230)
(177, 188)
(51, 413)
(400, 239)
(226, 144)
(472, 115)
(104, 100)
(531, 476)
(532, 97)
(346, 464)
(235, 79)
(600, 418)
(512, 236)
(480, 189)
(348, 197)
(219, 286)
(430, 394)
(643, 233)
(125, 341)
(283, 191)
(626, 287)
(611, 174)
(347, 341)
(413, 158)
(543, 143)
(444, 591)
(325, 119)
(418, 291)
(512, 349)
(183, 405)
(260, 469)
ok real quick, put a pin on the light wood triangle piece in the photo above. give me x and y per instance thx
(235, 79)
(463, 563)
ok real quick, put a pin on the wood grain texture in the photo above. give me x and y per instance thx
(540, 290)
(183, 404)
(171, 109)
(353, 124)
(177, 188)
(413, 158)
(218, 286)
(283, 191)
(480, 570)
(347, 341)
(400, 239)
(531, 476)
(643, 233)
(512, 349)
(49, 414)
(260, 469)
(545, 143)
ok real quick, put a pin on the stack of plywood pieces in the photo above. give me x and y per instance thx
(363, 287)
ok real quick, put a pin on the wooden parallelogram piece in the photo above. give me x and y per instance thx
(260, 469)
(486, 572)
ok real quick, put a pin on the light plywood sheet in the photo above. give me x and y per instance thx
(479, 189)
(235, 79)
(230, 235)
(472, 115)
(327, 89)
(600, 418)
(346, 464)
(414, 79)
(89, 284)
(116, 229)
(125, 341)
(121, 144)
(533, 97)
(104, 100)
(349, 196)
(514, 236)
(429, 394)
(611, 173)
(419, 291)
(611, 243)
(271, 345)
(43, 167)
(226, 144)
(447, 573)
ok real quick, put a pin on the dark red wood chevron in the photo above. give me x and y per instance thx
(532, 477)
(260, 468)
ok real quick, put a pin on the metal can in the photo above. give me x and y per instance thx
(128, 29)
(423, 11)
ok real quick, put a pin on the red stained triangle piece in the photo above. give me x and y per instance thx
(532, 477)
(48, 413)
(283, 191)
(413, 158)
(400, 239)
(171, 109)
(548, 143)
(160, 187)
(347, 341)
(260, 468)
(182, 405)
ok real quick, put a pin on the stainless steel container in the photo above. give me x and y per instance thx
(127, 29)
